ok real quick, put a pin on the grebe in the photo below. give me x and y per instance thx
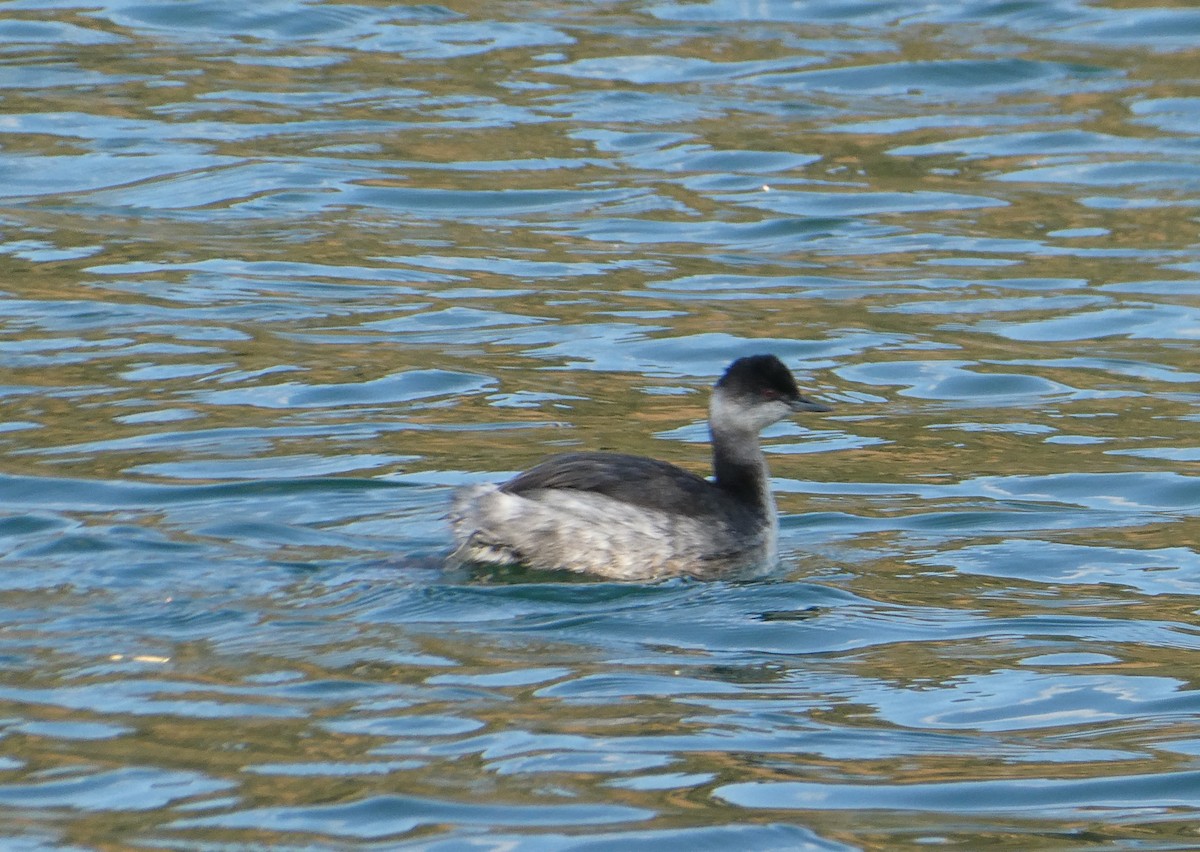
(635, 518)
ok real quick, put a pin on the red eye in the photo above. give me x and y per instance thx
(769, 393)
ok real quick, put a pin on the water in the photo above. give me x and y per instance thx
(276, 277)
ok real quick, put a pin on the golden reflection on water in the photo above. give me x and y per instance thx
(245, 319)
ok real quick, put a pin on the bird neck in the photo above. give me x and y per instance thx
(739, 467)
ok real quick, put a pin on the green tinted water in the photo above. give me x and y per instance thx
(276, 278)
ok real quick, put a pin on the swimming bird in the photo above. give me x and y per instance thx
(629, 517)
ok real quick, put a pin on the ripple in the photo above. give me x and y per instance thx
(53, 32)
(1163, 173)
(1114, 798)
(966, 79)
(1177, 115)
(128, 789)
(1158, 29)
(407, 386)
(482, 204)
(407, 726)
(647, 70)
(951, 380)
(386, 816)
(1135, 321)
(1041, 143)
(277, 277)
(295, 465)
(461, 38)
(1116, 492)
(72, 730)
(28, 175)
(1173, 570)
(859, 203)
(222, 19)
(750, 838)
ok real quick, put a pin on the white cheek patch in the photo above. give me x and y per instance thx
(728, 415)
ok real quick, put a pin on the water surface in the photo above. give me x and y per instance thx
(275, 278)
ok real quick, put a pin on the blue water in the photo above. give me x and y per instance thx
(276, 277)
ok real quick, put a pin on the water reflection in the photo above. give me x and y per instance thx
(276, 277)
